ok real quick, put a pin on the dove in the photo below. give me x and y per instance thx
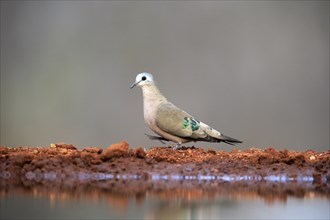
(170, 122)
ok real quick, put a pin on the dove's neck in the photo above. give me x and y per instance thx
(152, 97)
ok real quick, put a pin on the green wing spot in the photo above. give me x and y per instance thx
(185, 122)
(194, 124)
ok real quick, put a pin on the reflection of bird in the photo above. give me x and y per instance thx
(170, 122)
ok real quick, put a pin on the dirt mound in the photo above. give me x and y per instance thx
(66, 164)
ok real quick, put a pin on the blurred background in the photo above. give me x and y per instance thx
(257, 71)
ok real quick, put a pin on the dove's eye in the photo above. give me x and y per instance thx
(144, 78)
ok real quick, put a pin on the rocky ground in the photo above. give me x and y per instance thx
(119, 168)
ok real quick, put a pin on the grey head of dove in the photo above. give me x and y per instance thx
(170, 122)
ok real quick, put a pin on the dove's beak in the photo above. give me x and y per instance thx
(134, 84)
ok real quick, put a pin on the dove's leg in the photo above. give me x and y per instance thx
(177, 146)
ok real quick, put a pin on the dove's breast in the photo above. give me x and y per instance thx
(149, 112)
(151, 100)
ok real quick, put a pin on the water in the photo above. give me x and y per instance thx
(111, 196)
(17, 206)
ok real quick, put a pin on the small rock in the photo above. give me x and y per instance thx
(211, 151)
(139, 152)
(63, 151)
(270, 150)
(119, 149)
(312, 157)
(94, 150)
(64, 145)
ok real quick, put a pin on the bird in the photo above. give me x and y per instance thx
(170, 122)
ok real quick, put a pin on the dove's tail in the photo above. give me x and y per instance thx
(215, 136)
(228, 140)
(221, 138)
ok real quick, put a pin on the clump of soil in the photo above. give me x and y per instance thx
(65, 164)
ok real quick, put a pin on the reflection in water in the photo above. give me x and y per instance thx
(82, 176)
(165, 196)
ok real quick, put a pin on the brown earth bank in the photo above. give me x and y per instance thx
(120, 170)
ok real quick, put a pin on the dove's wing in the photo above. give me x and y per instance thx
(170, 119)
(177, 122)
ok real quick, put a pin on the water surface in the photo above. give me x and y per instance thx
(107, 196)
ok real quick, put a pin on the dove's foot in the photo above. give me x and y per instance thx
(176, 146)
(161, 139)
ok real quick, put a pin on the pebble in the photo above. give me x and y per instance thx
(312, 157)
(96, 150)
(119, 149)
(66, 146)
